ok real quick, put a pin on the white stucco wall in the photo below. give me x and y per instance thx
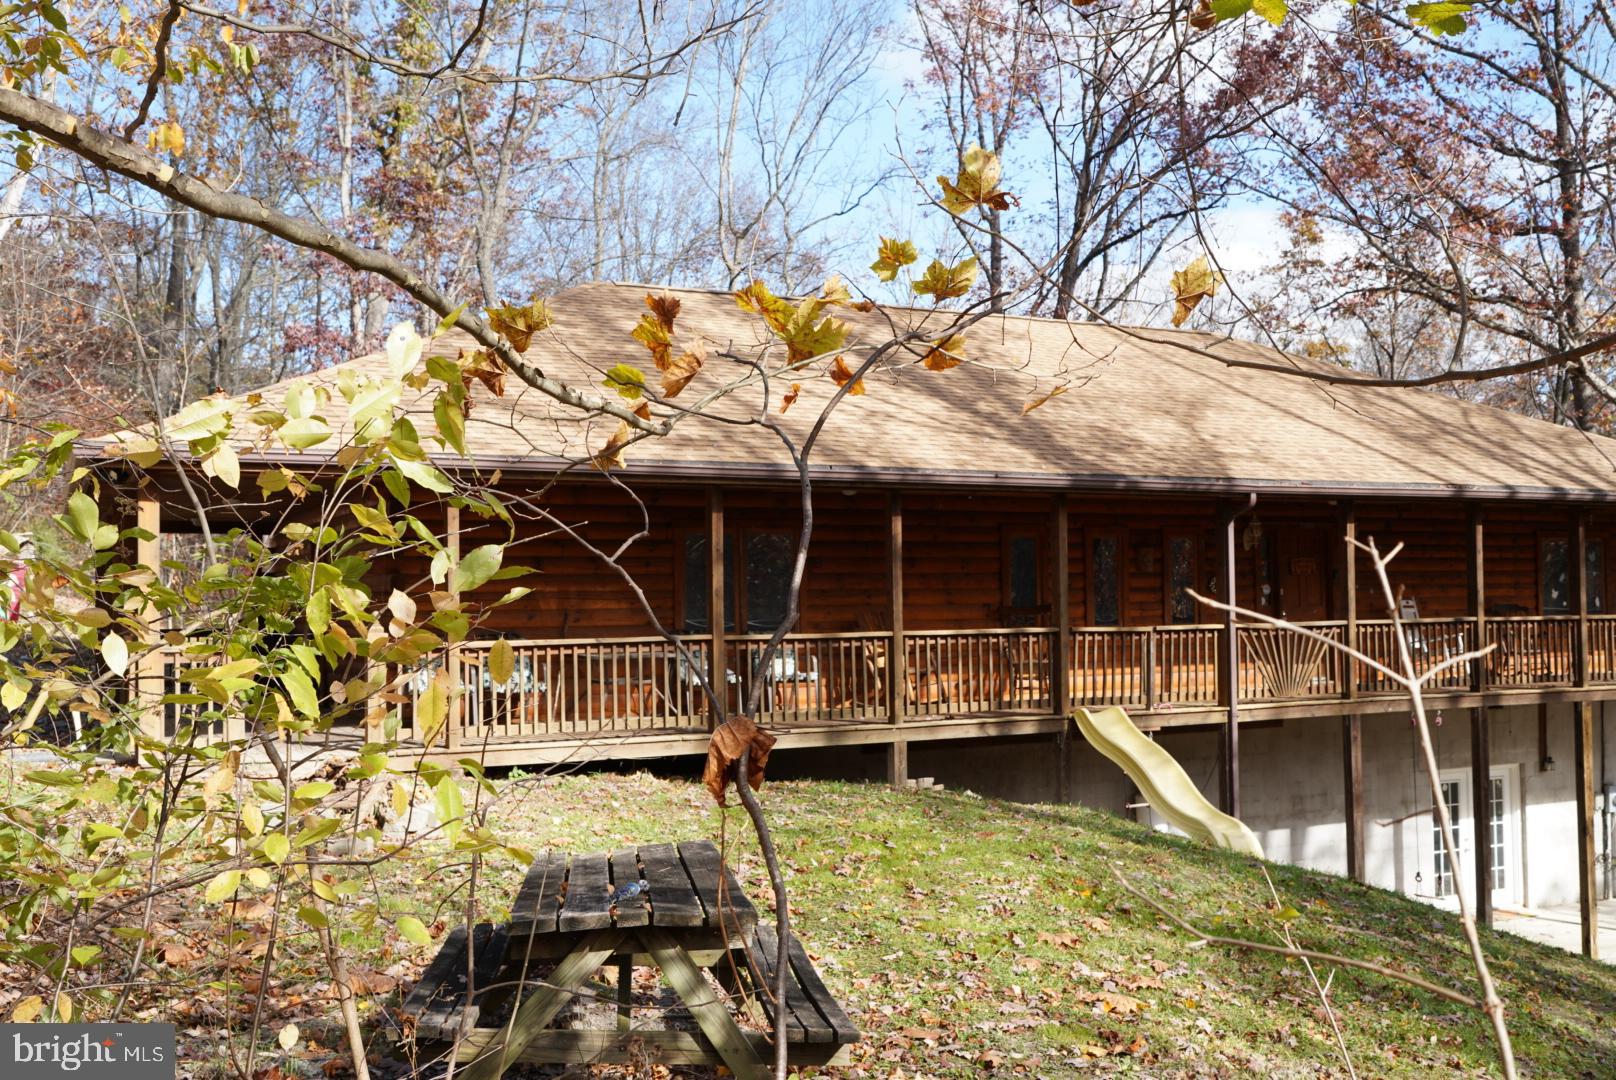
(1292, 792)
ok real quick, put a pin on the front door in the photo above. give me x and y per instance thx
(1501, 834)
(1303, 588)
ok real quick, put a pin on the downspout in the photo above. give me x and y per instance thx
(1231, 664)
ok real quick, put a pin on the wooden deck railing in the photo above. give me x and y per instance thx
(572, 688)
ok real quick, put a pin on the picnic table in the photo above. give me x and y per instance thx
(693, 923)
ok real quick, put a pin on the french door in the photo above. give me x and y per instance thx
(1500, 833)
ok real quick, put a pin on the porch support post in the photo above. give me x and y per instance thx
(1476, 560)
(456, 720)
(1587, 898)
(897, 678)
(1352, 776)
(1481, 813)
(1061, 692)
(147, 670)
(1349, 607)
(1231, 666)
(1579, 571)
(717, 609)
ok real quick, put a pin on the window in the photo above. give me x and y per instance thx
(761, 592)
(1021, 573)
(769, 559)
(1443, 878)
(1181, 566)
(1105, 580)
(1554, 576)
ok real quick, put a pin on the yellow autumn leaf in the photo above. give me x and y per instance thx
(946, 353)
(1196, 282)
(1046, 399)
(518, 323)
(976, 185)
(894, 255)
(27, 1009)
(944, 282)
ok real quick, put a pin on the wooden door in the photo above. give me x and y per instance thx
(1303, 573)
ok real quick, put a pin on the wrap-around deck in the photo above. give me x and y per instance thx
(640, 696)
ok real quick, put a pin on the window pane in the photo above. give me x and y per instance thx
(1181, 578)
(769, 558)
(1023, 572)
(1596, 576)
(1555, 578)
(697, 587)
(1105, 582)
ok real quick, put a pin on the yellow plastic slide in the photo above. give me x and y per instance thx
(1163, 781)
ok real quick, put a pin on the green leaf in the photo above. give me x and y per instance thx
(314, 789)
(476, 567)
(84, 955)
(501, 662)
(411, 929)
(424, 475)
(82, 515)
(314, 917)
(627, 380)
(115, 651)
(313, 834)
(300, 434)
(222, 887)
(451, 422)
(300, 688)
(277, 847)
(451, 808)
(1272, 10)
(318, 611)
(1230, 9)
(1443, 17)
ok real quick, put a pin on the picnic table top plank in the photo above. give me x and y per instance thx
(588, 890)
(673, 895)
(625, 865)
(538, 902)
(732, 911)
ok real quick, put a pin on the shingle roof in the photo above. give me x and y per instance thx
(1138, 413)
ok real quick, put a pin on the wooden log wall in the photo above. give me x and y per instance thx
(954, 555)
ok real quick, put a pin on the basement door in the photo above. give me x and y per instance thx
(1501, 834)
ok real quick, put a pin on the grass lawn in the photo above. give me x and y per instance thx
(967, 935)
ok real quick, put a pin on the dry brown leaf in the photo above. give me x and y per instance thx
(678, 372)
(1196, 282)
(844, 374)
(610, 456)
(791, 397)
(724, 755)
(945, 353)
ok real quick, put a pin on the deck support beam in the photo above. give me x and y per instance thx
(1481, 813)
(1579, 593)
(455, 723)
(897, 678)
(1061, 691)
(1476, 570)
(1352, 784)
(1230, 657)
(1349, 607)
(147, 671)
(717, 609)
(1587, 895)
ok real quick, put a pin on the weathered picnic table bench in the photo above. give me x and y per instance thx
(692, 919)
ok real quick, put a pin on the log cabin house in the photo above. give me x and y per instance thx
(976, 573)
